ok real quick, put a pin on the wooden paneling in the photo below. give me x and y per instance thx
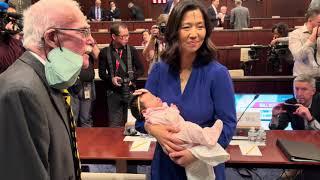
(257, 8)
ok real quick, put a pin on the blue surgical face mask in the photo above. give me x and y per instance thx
(62, 68)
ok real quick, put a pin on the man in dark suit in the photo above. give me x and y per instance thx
(169, 6)
(37, 136)
(135, 12)
(96, 13)
(114, 12)
(213, 13)
(306, 114)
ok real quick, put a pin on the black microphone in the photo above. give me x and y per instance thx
(255, 97)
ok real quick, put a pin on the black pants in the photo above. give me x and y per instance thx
(117, 109)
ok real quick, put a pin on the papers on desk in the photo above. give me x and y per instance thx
(139, 138)
(250, 150)
(140, 145)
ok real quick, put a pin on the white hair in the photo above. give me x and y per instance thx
(43, 15)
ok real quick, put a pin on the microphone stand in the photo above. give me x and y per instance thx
(255, 97)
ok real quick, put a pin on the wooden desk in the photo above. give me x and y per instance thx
(105, 145)
(272, 155)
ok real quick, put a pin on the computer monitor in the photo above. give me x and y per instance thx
(263, 104)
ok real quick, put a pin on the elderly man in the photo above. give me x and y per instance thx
(302, 111)
(240, 17)
(37, 132)
(304, 45)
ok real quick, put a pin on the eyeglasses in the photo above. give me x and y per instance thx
(86, 32)
(123, 36)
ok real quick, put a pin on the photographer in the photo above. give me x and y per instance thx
(304, 112)
(119, 67)
(154, 47)
(10, 38)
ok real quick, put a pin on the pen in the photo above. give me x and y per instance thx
(138, 145)
(250, 149)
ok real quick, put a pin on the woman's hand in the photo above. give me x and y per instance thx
(182, 158)
(164, 135)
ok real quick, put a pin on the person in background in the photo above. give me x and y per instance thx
(114, 12)
(280, 33)
(97, 13)
(314, 4)
(189, 77)
(11, 47)
(83, 92)
(145, 37)
(223, 15)
(37, 132)
(119, 67)
(240, 16)
(305, 46)
(136, 12)
(155, 46)
(307, 112)
(169, 6)
(213, 13)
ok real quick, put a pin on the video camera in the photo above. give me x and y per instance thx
(7, 17)
(277, 54)
(125, 89)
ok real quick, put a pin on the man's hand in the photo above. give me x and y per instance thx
(303, 112)
(116, 81)
(314, 34)
(164, 135)
(182, 158)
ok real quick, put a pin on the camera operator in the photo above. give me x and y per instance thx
(119, 67)
(10, 38)
(306, 115)
(156, 44)
(279, 52)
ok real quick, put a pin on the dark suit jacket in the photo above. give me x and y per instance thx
(297, 123)
(113, 15)
(213, 17)
(166, 9)
(34, 128)
(136, 13)
(92, 14)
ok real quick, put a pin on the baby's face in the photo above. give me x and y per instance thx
(150, 101)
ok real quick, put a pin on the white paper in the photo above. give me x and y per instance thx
(250, 150)
(139, 138)
(140, 145)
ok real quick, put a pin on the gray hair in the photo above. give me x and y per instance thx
(306, 78)
(45, 14)
(238, 2)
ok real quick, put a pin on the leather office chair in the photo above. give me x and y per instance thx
(112, 176)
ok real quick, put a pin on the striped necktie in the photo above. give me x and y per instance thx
(73, 139)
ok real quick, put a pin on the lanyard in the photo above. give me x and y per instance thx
(118, 60)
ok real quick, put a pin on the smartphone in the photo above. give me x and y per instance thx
(290, 107)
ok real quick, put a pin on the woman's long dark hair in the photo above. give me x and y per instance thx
(171, 54)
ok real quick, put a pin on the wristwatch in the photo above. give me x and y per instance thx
(312, 119)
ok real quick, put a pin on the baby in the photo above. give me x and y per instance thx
(201, 142)
(150, 108)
